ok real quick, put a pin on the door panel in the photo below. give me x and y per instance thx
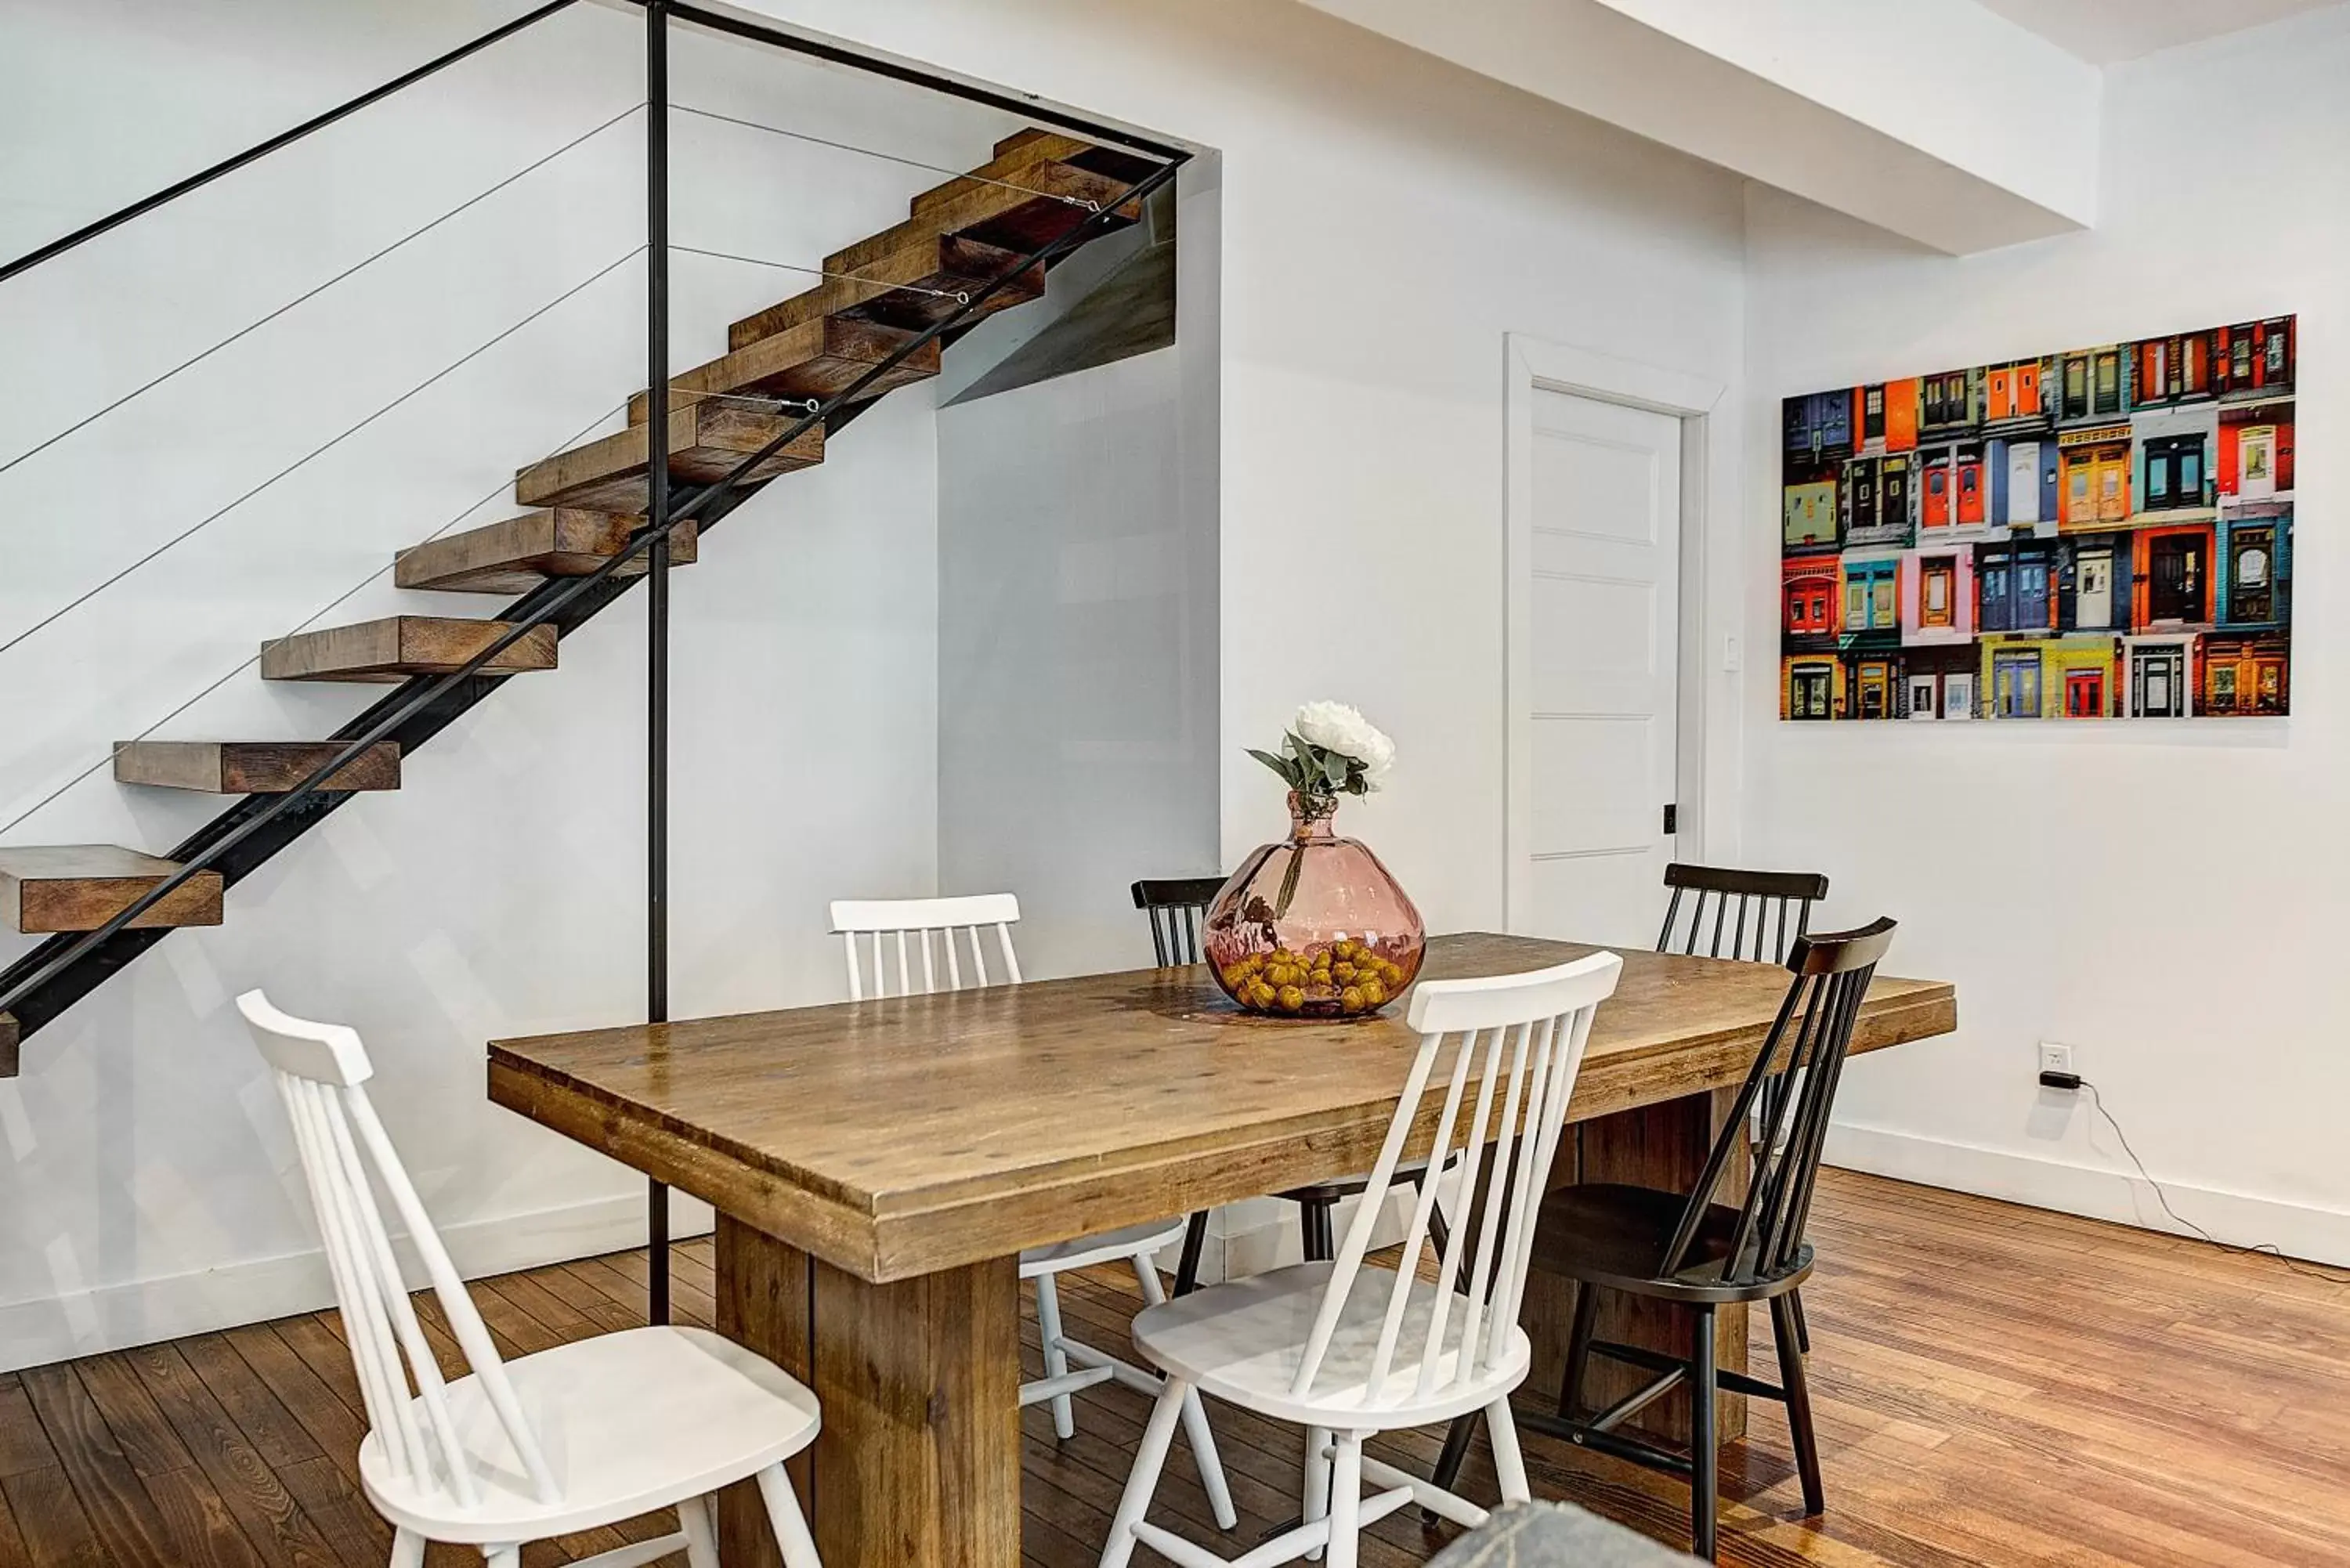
(2095, 611)
(1600, 705)
(2016, 685)
(2176, 582)
(2085, 694)
(2023, 482)
(2030, 593)
(2158, 683)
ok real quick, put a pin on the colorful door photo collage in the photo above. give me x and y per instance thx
(2101, 534)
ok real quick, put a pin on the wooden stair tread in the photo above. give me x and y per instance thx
(47, 888)
(887, 290)
(398, 647)
(1024, 149)
(522, 553)
(815, 359)
(251, 767)
(1021, 215)
(1028, 136)
(11, 1046)
(1014, 156)
(707, 440)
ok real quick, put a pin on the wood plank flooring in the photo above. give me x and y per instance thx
(1993, 1385)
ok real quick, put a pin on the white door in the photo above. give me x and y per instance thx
(1594, 697)
(2023, 482)
(2095, 611)
(2256, 463)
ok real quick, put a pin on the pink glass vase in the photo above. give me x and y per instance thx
(1313, 925)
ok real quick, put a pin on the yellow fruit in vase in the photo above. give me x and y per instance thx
(1343, 973)
(1291, 998)
(1390, 972)
(1236, 976)
(1352, 998)
(1260, 994)
(1344, 948)
(1375, 994)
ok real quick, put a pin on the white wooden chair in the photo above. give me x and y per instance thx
(900, 934)
(570, 1438)
(1346, 1350)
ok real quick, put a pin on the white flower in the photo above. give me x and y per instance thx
(1336, 727)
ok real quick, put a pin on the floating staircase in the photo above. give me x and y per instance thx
(960, 238)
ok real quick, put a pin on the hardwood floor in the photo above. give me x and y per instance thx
(1992, 1385)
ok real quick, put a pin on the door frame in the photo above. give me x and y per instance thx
(1532, 364)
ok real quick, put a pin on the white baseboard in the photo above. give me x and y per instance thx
(2096, 1192)
(142, 1312)
(115, 1317)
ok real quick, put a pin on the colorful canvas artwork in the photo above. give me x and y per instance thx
(2101, 534)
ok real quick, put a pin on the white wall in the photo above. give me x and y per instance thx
(146, 1184)
(1386, 218)
(2166, 900)
(1077, 655)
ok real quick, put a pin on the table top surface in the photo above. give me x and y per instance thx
(896, 1136)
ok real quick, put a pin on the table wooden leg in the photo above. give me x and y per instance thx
(917, 1465)
(1661, 1146)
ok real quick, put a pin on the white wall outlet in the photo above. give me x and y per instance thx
(2055, 1058)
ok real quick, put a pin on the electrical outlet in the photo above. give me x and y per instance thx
(2055, 1058)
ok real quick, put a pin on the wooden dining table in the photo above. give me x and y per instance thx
(876, 1168)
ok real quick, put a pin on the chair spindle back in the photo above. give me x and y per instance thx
(1177, 908)
(1832, 973)
(1523, 1034)
(1769, 896)
(878, 921)
(321, 1071)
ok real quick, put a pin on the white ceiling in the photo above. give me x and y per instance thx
(2103, 31)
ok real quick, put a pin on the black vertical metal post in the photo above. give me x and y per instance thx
(657, 599)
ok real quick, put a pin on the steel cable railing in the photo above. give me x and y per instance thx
(260, 150)
(308, 294)
(321, 449)
(313, 618)
(548, 605)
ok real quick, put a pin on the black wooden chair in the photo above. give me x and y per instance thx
(1750, 912)
(1696, 1252)
(1177, 908)
(1731, 896)
(1770, 897)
